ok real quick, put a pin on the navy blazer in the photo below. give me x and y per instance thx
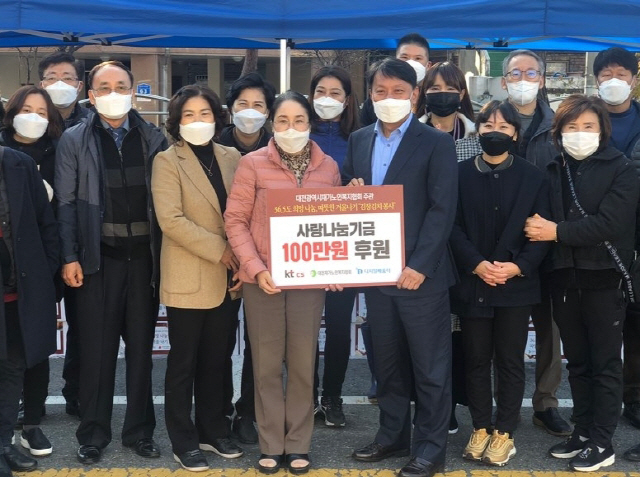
(425, 164)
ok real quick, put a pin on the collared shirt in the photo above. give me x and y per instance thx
(384, 148)
(117, 134)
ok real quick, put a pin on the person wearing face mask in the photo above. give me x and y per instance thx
(110, 243)
(499, 280)
(190, 183)
(410, 322)
(61, 76)
(444, 102)
(334, 118)
(32, 125)
(279, 333)
(412, 48)
(616, 71)
(594, 195)
(249, 100)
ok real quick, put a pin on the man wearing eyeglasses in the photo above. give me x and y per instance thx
(111, 249)
(61, 76)
(523, 77)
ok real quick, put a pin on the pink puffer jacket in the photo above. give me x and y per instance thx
(246, 213)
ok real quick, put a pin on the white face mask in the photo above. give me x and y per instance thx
(614, 91)
(328, 108)
(421, 71)
(62, 94)
(30, 125)
(523, 92)
(113, 105)
(249, 121)
(392, 110)
(291, 140)
(197, 133)
(580, 145)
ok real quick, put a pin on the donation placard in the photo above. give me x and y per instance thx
(351, 236)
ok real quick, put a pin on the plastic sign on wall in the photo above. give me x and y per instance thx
(352, 236)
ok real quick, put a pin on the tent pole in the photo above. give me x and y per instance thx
(288, 64)
(283, 65)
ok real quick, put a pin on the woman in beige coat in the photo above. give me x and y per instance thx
(190, 182)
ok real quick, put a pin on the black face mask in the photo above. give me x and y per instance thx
(443, 104)
(495, 143)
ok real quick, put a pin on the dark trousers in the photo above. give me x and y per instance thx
(590, 323)
(35, 392)
(71, 369)
(113, 302)
(631, 364)
(11, 373)
(338, 309)
(245, 405)
(412, 332)
(502, 339)
(197, 365)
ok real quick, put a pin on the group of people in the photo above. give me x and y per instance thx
(511, 213)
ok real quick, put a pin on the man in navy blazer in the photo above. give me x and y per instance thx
(410, 323)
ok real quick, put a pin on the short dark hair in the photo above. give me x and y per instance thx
(414, 39)
(182, 96)
(349, 120)
(615, 56)
(98, 67)
(61, 57)
(16, 102)
(251, 81)
(506, 109)
(392, 68)
(452, 76)
(291, 95)
(572, 107)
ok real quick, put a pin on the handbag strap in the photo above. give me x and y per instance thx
(612, 250)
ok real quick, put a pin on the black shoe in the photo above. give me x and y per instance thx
(591, 459)
(633, 454)
(333, 413)
(632, 413)
(193, 460)
(568, 449)
(375, 452)
(244, 430)
(37, 443)
(73, 407)
(453, 422)
(264, 469)
(551, 421)
(89, 454)
(5, 471)
(420, 468)
(17, 461)
(145, 447)
(298, 470)
(224, 447)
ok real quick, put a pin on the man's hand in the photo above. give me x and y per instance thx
(410, 279)
(356, 182)
(334, 288)
(265, 282)
(507, 270)
(229, 259)
(72, 274)
(539, 229)
(487, 273)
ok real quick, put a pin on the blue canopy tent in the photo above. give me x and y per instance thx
(586, 25)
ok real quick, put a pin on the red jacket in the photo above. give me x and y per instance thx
(246, 214)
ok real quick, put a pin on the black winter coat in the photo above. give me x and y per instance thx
(492, 209)
(36, 252)
(608, 189)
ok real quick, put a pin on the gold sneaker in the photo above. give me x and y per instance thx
(500, 449)
(478, 442)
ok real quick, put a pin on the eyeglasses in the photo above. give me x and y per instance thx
(70, 80)
(529, 75)
(283, 124)
(105, 90)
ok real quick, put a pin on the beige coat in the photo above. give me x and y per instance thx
(193, 236)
